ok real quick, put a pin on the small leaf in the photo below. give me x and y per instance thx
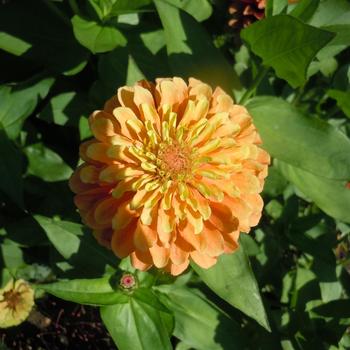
(232, 279)
(138, 324)
(86, 291)
(97, 37)
(76, 245)
(46, 164)
(65, 109)
(198, 322)
(332, 196)
(287, 45)
(191, 51)
(199, 9)
(10, 170)
(126, 6)
(343, 100)
(18, 103)
(40, 34)
(11, 254)
(308, 143)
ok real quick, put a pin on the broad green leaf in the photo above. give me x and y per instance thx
(46, 164)
(11, 254)
(308, 143)
(18, 103)
(138, 324)
(328, 14)
(332, 196)
(111, 8)
(340, 42)
(13, 45)
(335, 19)
(287, 45)
(305, 9)
(26, 232)
(10, 169)
(97, 37)
(191, 51)
(275, 7)
(76, 245)
(65, 109)
(327, 66)
(126, 6)
(38, 33)
(86, 291)
(198, 322)
(232, 279)
(275, 183)
(199, 9)
(342, 98)
(144, 57)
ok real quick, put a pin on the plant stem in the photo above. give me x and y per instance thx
(259, 77)
(74, 6)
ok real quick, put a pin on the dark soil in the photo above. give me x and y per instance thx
(59, 325)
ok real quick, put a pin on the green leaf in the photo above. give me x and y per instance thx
(328, 14)
(342, 98)
(10, 169)
(198, 322)
(138, 324)
(232, 279)
(144, 57)
(46, 164)
(334, 19)
(275, 7)
(199, 9)
(65, 109)
(19, 103)
(333, 197)
(97, 37)
(86, 291)
(305, 9)
(308, 143)
(287, 45)
(126, 6)
(26, 232)
(191, 51)
(40, 34)
(76, 245)
(11, 254)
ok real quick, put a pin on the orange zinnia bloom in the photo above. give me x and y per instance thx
(174, 173)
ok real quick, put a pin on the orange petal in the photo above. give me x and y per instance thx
(122, 242)
(203, 260)
(160, 255)
(145, 236)
(176, 270)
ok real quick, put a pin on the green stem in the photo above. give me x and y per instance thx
(74, 6)
(60, 14)
(258, 79)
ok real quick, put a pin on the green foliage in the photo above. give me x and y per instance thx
(141, 323)
(287, 45)
(325, 150)
(288, 285)
(233, 280)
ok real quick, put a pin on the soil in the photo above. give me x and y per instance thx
(59, 325)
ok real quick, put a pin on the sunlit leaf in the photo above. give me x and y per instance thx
(287, 45)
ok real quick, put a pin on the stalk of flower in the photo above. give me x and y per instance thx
(173, 174)
(16, 302)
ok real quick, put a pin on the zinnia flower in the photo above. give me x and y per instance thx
(174, 173)
(16, 302)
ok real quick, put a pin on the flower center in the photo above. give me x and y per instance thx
(12, 298)
(174, 161)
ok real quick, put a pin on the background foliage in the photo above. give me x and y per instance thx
(60, 60)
